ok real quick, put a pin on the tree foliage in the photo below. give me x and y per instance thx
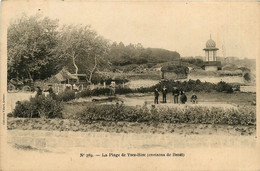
(137, 54)
(38, 48)
(30, 47)
(81, 50)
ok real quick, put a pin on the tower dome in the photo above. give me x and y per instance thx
(210, 43)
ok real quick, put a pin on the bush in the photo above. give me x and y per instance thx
(84, 93)
(66, 95)
(145, 89)
(224, 87)
(123, 90)
(196, 114)
(94, 92)
(247, 77)
(38, 107)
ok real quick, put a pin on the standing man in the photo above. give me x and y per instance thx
(164, 92)
(156, 96)
(175, 93)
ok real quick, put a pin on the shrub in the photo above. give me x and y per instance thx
(84, 93)
(94, 92)
(41, 106)
(224, 87)
(189, 114)
(123, 90)
(145, 89)
(66, 95)
(247, 77)
(100, 91)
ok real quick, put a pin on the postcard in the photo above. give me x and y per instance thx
(129, 85)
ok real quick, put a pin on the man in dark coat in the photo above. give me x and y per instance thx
(175, 93)
(164, 92)
(156, 96)
(183, 97)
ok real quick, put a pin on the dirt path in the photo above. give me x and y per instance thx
(139, 101)
(142, 99)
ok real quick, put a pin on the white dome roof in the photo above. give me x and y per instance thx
(210, 43)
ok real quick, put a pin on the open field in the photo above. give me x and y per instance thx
(209, 99)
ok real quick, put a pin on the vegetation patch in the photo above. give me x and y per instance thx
(189, 114)
(38, 107)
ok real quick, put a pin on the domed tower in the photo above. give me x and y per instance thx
(211, 62)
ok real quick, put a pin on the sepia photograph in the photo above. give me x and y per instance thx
(120, 85)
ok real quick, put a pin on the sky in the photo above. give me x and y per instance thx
(179, 26)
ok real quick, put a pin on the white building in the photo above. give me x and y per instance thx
(210, 62)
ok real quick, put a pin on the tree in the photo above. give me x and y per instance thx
(31, 42)
(81, 50)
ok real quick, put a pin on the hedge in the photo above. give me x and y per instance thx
(188, 114)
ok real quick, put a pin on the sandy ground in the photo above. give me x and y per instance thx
(142, 99)
(150, 100)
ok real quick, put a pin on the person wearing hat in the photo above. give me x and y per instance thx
(175, 93)
(183, 97)
(38, 91)
(164, 92)
(156, 96)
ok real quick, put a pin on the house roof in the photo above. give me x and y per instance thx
(63, 75)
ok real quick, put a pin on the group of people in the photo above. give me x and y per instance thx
(176, 93)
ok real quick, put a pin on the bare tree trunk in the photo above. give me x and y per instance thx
(29, 74)
(93, 70)
(76, 67)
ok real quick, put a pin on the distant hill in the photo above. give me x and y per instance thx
(162, 55)
(136, 54)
